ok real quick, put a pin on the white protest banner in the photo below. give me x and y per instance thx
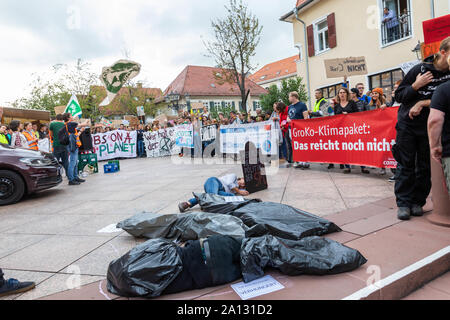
(257, 288)
(407, 66)
(208, 133)
(184, 136)
(160, 143)
(44, 145)
(115, 144)
(262, 134)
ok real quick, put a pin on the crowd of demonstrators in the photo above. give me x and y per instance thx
(412, 149)
(22, 135)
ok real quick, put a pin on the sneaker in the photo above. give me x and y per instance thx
(184, 206)
(331, 166)
(298, 165)
(342, 167)
(13, 286)
(365, 171)
(74, 183)
(392, 179)
(80, 180)
(306, 165)
(382, 172)
(404, 213)
(417, 211)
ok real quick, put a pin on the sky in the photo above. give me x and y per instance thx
(163, 36)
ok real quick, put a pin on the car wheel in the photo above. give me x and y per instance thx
(12, 187)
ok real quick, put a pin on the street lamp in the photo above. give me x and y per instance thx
(417, 49)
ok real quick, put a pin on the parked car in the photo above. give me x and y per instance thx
(25, 172)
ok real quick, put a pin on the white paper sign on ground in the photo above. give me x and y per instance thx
(110, 229)
(234, 199)
(257, 288)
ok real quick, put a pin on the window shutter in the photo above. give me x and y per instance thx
(310, 33)
(332, 39)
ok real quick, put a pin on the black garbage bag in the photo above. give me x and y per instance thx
(218, 204)
(311, 256)
(183, 227)
(220, 265)
(146, 270)
(282, 221)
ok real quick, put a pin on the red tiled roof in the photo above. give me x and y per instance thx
(115, 108)
(276, 70)
(203, 81)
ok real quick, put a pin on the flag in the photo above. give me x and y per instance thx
(73, 107)
(115, 76)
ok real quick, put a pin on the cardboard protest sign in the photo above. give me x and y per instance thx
(115, 144)
(407, 66)
(253, 169)
(161, 143)
(337, 68)
(436, 30)
(362, 139)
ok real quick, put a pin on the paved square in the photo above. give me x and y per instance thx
(49, 236)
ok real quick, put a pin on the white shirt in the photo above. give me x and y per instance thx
(229, 182)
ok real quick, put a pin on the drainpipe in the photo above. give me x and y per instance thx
(306, 55)
(432, 9)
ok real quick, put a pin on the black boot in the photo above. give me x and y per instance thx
(404, 213)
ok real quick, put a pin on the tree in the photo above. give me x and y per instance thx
(62, 82)
(282, 95)
(236, 39)
(268, 100)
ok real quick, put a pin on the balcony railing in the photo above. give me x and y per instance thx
(396, 29)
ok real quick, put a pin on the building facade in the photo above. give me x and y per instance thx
(348, 28)
(274, 73)
(197, 87)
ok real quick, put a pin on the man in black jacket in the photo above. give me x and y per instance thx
(412, 150)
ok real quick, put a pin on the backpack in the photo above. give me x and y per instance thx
(63, 136)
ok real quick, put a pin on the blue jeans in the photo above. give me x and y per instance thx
(72, 171)
(283, 149)
(213, 186)
(140, 148)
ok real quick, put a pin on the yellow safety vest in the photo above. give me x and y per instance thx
(317, 105)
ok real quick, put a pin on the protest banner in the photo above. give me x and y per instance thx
(253, 170)
(337, 68)
(263, 134)
(364, 139)
(184, 136)
(209, 133)
(115, 144)
(161, 143)
(437, 29)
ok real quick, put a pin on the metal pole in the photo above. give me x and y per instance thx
(432, 10)
(306, 56)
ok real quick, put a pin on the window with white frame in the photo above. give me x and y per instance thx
(321, 36)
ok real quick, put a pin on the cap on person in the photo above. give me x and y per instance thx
(355, 91)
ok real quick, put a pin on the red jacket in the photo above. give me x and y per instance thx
(283, 122)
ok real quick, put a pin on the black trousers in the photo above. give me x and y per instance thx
(2, 280)
(412, 152)
(289, 147)
(61, 154)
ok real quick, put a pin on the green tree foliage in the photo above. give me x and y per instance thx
(236, 39)
(282, 95)
(56, 88)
